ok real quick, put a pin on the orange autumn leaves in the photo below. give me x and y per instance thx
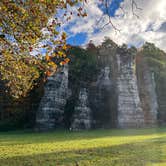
(58, 57)
(21, 24)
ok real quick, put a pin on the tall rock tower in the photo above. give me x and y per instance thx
(51, 110)
(130, 113)
(101, 98)
(147, 90)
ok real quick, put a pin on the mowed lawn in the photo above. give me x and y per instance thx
(139, 147)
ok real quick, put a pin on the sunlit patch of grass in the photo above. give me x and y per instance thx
(139, 147)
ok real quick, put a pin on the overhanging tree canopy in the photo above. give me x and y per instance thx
(23, 25)
(29, 24)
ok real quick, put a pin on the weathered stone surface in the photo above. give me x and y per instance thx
(51, 109)
(82, 114)
(130, 113)
(151, 114)
(104, 80)
(117, 98)
(100, 99)
(147, 86)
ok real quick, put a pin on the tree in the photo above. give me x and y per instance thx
(24, 25)
(29, 24)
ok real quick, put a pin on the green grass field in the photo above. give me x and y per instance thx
(141, 147)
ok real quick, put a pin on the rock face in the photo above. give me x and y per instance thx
(82, 113)
(151, 114)
(130, 113)
(104, 80)
(51, 110)
(121, 94)
(147, 86)
(112, 87)
(100, 99)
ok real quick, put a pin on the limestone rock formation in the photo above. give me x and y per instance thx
(104, 80)
(100, 99)
(82, 113)
(111, 86)
(147, 90)
(121, 94)
(51, 109)
(151, 114)
(130, 113)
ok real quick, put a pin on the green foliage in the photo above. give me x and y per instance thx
(109, 43)
(125, 51)
(86, 63)
(83, 69)
(155, 57)
(144, 147)
(25, 24)
(150, 50)
(83, 65)
(17, 114)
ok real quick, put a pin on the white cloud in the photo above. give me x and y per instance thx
(132, 30)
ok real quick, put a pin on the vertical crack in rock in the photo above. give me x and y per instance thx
(51, 109)
(130, 113)
(82, 115)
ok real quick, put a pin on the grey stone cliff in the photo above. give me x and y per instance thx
(122, 94)
(51, 109)
(101, 99)
(130, 113)
(82, 113)
(147, 90)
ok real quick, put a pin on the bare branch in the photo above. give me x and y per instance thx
(106, 4)
(134, 6)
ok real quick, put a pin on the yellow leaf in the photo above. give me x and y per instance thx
(60, 53)
(47, 57)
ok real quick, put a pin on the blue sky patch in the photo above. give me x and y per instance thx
(112, 8)
(81, 38)
(78, 39)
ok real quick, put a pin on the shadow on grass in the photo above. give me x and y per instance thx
(27, 137)
(144, 153)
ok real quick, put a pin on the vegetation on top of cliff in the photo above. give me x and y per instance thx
(83, 64)
(108, 43)
(156, 58)
(149, 49)
(86, 62)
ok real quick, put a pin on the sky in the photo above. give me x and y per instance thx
(150, 26)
